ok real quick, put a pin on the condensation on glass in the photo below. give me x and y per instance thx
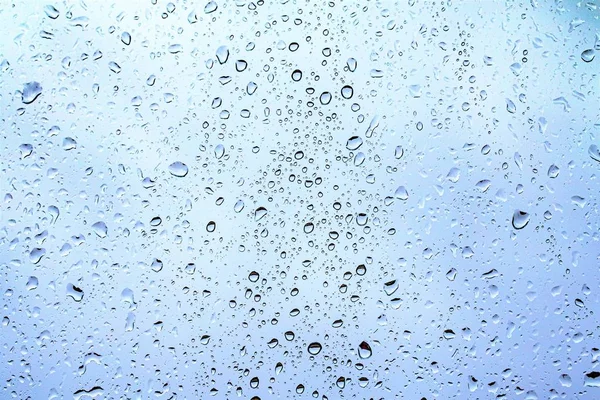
(299, 199)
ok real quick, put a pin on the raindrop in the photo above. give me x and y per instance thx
(520, 219)
(351, 63)
(354, 143)
(309, 227)
(31, 91)
(253, 276)
(222, 54)
(314, 348)
(219, 151)
(100, 229)
(553, 171)
(36, 255)
(51, 12)
(364, 350)
(594, 152)
(325, 98)
(260, 213)
(74, 292)
(588, 55)
(114, 67)
(178, 169)
(347, 92)
(211, 226)
(296, 75)
(126, 38)
(210, 7)
(401, 193)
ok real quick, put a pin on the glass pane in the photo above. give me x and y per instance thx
(281, 199)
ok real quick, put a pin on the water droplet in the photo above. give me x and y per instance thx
(219, 151)
(222, 54)
(364, 350)
(211, 226)
(36, 255)
(241, 65)
(32, 283)
(253, 276)
(325, 98)
(126, 38)
(100, 229)
(157, 265)
(251, 88)
(309, 227)
(175, 48)
(390, 287)
(296, 75)
(594, 152)
(114, 67)
(314, 348)
(347, 92)
(354, 143)
(352, 64)
(31, 91)
(401, 193)
(51, 12)
(239, 206)
(210, 7)
(483, 185)
(553, 171)
(520, 219)
(178, 169)
(260, 213)
(74, 292)
(588, 55)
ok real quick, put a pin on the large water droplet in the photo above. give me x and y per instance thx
(222, 54)
(36, 254)
(219, 151)
(210, 7)
(178, 169)
(352, 64)
(594, 152)
(260, 213)
(354, 143)
(520, 219)
(325, 98)
(347, 92)
(364, 350)
(74, 292)
(588, 55)
(31, 91)
(100, 229)
(314, 348)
